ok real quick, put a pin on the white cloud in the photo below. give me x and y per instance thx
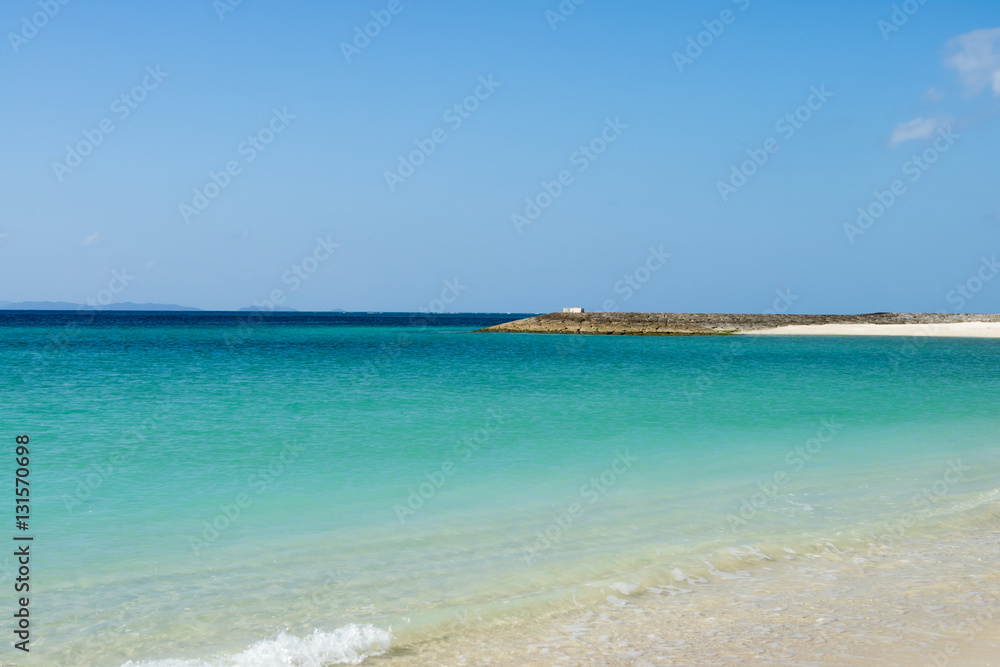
(92, 239)
(934, 95)
(976, 57)
(918, 128)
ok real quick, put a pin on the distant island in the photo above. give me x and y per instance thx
(65, 305)
(129, 306)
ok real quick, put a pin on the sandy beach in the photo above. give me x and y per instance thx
(949, 330)
(923, 601)
(714, 324)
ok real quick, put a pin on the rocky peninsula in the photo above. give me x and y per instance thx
(700, 324)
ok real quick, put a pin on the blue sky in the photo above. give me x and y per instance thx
(644, 125)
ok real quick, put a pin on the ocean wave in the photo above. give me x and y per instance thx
(349, 645)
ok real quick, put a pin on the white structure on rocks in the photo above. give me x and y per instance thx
(572, 310)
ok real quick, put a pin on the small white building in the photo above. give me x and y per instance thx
(572, 310)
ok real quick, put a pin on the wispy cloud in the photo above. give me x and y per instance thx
(92, 239)
(933, 95)
(918, 128)
(976, 57)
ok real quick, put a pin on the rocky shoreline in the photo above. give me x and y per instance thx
(700, 324)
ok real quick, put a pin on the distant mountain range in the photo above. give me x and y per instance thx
(286, 309)
(127, 305)
(65, 305)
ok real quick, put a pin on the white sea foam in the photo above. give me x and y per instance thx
(625, 588)
(349, 645)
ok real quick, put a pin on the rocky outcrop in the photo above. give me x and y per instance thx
(695, 324)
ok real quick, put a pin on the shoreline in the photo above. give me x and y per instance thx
(936, 330)
(918, 599)
(720, 324)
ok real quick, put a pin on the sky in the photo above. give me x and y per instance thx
(516, 156)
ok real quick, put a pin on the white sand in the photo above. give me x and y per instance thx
(953, 329)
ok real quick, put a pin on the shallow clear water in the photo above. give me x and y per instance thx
(200, 486)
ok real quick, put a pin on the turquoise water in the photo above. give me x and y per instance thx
(327, 488)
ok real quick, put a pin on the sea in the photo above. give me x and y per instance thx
(230, 489)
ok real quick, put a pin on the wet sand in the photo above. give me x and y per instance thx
(915, 602)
